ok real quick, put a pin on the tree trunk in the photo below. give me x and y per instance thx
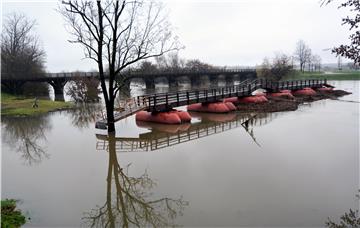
(110, 116)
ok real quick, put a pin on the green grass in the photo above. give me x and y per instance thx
(22, 106)
(338, 75)
(10, 217)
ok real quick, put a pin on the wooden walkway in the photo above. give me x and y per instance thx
(165, 101)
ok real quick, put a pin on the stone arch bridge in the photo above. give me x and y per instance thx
(173, 78)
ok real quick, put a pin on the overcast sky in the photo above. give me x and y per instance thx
(223, 32)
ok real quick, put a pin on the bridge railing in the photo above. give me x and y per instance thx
(191, 71)
(210, 95)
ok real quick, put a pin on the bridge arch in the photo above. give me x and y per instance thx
(200, 80)
(137, 83)
(183, 81)
(161, 81)
(221, 80)
(232, 79)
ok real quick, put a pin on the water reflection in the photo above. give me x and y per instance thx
(129, 201)
(27, 136)
(85, 114)
(165, 135)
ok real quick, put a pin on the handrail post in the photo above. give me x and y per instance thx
(222, 92)
(206, 95)
(154, 97)
(325, 81)
(187, 97)
(249, 89)
(167, 100)
(177, 98)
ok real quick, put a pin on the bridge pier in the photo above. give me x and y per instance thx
(173, 82)
(150, 84)
(214, 80)
(58, 86)
(229, 80)
(195, 81)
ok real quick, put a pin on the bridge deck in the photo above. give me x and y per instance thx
(165, 101)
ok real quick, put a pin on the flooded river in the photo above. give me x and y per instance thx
(287, 169)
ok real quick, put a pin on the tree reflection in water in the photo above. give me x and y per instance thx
(128, 200)
(84, 114)
(27, 135)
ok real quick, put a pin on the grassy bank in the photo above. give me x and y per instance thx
(338, 75)
(22, 106)
(10, 216)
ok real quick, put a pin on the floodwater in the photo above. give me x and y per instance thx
(288, 169)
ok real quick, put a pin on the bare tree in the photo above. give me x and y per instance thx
(170, 62)
(316, 59)
(351, 51)
(147, 67)
(197, 65)
(308, 58)
(302, 54)
(175, 62)
(339, 63)
(21, 54)
(280, 67)
(117, 34)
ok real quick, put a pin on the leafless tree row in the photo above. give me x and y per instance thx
(306, 59)
(172, 63)
(21, 52)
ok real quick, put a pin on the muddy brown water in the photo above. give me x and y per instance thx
(286, 169)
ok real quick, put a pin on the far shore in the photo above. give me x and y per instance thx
(334, 75)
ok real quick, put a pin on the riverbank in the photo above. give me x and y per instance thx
(280, 104)
(23, 106)
(337, 75)
(10, 216)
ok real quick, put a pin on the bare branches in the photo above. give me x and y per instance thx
(302, 54)
(133, 30)
(21, 54)
(118, 33)
(351, 51)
